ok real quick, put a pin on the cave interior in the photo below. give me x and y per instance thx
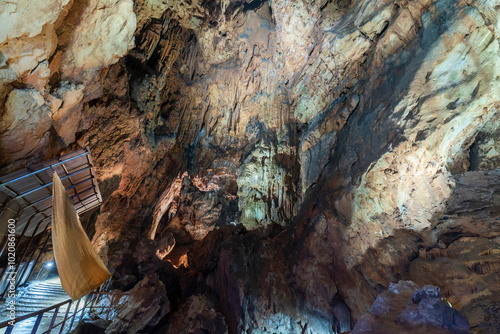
(280, 166)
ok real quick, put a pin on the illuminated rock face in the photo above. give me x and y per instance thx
(407, 308)
(57, 48)
(357, 142)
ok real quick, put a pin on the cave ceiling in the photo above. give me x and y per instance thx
(358, 138)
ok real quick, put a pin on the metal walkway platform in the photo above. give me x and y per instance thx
(34, 297)
(44, 307)
(26, 195)
(26, 205)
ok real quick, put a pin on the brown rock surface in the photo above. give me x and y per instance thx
(199, 212)
(355, 141)
(196, 315)
(468, 271)
(145, 305)
(261, 281)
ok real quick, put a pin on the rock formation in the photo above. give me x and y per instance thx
(144, 305)
(407, 308)
(302, 154)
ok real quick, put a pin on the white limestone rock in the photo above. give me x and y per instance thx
(27, 18)
(104, 34)
(25, 124)
(66, 118)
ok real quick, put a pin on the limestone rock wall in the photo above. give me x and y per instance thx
(53, 53)
(355, 141)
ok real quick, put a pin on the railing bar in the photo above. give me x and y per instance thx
(110, 304)
(40, 312)
(53, 320)
(74, 314)
(95, 297)
(37, 323)
(84, 306)
(70, 303)
(63, 323)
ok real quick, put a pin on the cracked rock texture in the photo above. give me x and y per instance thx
(407, 308)
(277, 163)
(144, 305)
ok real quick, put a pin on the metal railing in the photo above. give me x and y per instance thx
(98, 296)
(37, 219)
(69, 316)
(25, 198)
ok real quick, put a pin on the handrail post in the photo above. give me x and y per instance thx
(75, 313)
(63, 323)
(37, 323)
(84, 306)
(95, 297)
(53, 319)
(112, 298)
